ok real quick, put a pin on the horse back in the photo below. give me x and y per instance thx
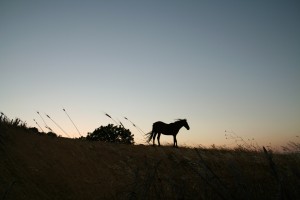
(159, 124)
(160, 127)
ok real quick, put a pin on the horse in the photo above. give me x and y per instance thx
(166, 129)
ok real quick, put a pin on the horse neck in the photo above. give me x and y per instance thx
(178, 125)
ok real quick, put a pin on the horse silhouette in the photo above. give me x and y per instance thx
(159, 128)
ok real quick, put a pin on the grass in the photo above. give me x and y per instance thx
(34, 166)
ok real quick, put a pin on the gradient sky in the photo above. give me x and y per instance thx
(223, 65)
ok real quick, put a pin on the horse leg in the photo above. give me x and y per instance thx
(158, 139)
(154, 136)
(175, 141)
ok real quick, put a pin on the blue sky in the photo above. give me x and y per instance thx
(223, 65)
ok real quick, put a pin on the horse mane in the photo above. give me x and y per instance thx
(178, 120)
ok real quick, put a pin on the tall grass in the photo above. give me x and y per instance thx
(17, 123)
(210, 174)
(245, 172)
(6, 122)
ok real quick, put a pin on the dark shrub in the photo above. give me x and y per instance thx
(111, 133)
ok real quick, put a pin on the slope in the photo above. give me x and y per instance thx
(34, 166)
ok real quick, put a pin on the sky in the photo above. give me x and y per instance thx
(222, 65)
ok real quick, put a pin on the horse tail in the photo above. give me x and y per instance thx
(149, 136)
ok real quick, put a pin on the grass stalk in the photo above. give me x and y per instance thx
(274, 171)
(57, 125)
(138, 128)
(72, 122)
(8, 189)
(46, 125)
(38, 125)
(107, 115)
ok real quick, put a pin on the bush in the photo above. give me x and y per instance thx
(51, 134)
(111, 133)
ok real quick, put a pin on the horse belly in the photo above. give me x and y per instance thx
(166, 133)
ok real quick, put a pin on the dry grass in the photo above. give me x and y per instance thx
(40, 167)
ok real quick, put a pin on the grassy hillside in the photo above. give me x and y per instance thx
(34, 166)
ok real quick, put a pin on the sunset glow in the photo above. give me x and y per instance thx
(222, 65)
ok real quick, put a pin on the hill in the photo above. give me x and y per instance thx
(37, 166)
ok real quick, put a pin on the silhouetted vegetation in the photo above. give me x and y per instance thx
(6, 123)
(34, 130)
(111, 133)
(51, 134)
(33, 167)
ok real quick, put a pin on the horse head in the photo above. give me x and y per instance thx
(185, 124)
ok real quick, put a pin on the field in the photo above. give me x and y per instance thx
(38, 166)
